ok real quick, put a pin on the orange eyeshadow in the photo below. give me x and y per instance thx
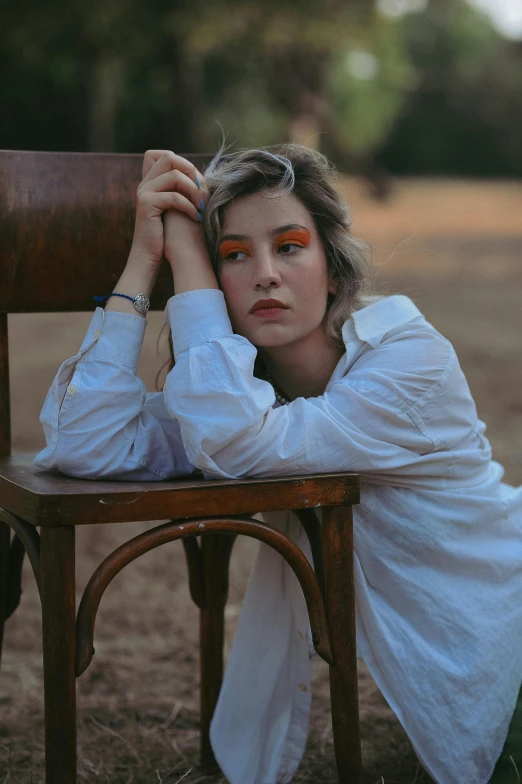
(229, 246)
(301, 236)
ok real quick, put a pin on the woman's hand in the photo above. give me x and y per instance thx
(169, 182)
(170, 185)
(183, 233)
(185, 248)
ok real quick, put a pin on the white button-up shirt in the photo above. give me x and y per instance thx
(438, 535)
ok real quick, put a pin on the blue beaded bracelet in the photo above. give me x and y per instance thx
(141, 302)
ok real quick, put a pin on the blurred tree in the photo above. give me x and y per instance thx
(367, 88)
(103, 51)
(142, 65)
(290, 84)
(464, 109)
(434, 90)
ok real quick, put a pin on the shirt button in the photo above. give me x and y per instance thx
(96, 334)
(303, 687)
(71, 389)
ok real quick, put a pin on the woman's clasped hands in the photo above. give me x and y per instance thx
(170, 206)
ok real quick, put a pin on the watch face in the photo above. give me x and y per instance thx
(141, 303)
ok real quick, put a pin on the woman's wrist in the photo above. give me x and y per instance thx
(138, 277)
(194, 273)
(191, 266)
(187, 253)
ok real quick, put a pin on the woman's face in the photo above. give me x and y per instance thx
(273, 240)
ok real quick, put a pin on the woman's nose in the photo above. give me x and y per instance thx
(266, 269)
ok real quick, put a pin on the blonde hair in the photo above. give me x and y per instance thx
(308, 175)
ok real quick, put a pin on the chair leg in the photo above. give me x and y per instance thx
(5, 536)
(340, 609)
(216, 551)
(14, 587)
(58, 631)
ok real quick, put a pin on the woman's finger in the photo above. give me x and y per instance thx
(154, 203)
(153, 157)
(166, 160)
(149, 159)
(175, 180)
(203, 186)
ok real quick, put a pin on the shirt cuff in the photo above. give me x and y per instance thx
(114, 337)
(196, 317)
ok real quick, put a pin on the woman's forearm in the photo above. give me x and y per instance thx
(138, 277)
(170, 184)
(187, 254)
(194, 274)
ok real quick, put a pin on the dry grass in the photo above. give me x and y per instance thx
(137, 702)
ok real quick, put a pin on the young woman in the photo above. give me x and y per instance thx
(284, 365)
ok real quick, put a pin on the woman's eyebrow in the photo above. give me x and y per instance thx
(240, 237)
(290, 227)
(274, 232)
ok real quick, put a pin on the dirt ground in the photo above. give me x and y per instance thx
(455, 247)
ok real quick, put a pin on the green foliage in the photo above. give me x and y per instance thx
(449, 40)
(125, 75)
(464, 113)
(240, 105)
(368, 86)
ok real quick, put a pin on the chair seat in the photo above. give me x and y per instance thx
(47, 498)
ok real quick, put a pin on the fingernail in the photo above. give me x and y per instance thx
(202, 205)
(200, 216)
(197, 181)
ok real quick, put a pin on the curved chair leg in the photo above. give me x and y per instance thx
(340, 610)
(208, 574)
(312, 528)
(12, 553)
(195, 570)
(58, 634)
(14, 588)
(5, 536)
(216, 550)
(27, 540)
(171, 531)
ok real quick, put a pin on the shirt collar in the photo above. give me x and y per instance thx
(374, 321)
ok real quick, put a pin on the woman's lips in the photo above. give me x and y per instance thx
(268, 312)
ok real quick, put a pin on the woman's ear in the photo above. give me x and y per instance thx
(332, 286)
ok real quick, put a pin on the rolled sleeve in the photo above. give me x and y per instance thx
(115, 337)
(197, 316)
(98, 420)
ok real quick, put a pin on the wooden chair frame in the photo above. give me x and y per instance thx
(72, 215)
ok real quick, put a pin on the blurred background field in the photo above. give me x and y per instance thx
(419, 105)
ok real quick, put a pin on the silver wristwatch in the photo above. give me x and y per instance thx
(141, 303)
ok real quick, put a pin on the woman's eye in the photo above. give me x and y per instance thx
(288, 248)
(235, 255)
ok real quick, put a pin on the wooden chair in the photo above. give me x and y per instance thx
(66, 223)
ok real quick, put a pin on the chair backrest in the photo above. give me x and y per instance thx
(66, 225)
